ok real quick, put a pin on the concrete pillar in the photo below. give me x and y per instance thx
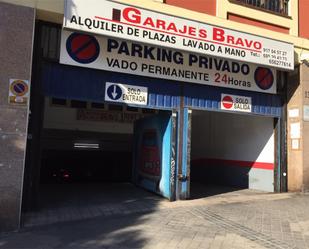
(295, 155)
(304, 79)
(16, 42)
(298, 157)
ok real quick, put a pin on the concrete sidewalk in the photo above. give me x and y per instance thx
(239, 219)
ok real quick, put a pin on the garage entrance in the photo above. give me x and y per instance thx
(101, 155)
(88, 142)
(231, 151)
(81, 146)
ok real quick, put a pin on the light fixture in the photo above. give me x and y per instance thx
(86, 145)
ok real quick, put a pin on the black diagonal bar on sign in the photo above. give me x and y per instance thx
(84, 46)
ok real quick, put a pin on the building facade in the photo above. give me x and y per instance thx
(168, 93)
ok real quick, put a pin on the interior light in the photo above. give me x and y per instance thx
(86, 146)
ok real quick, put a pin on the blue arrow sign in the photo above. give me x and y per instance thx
(114, 92)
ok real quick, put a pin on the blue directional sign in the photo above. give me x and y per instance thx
(114, 92)
(129, 94)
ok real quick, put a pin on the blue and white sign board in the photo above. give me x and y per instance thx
(111, 54)
(128, 94)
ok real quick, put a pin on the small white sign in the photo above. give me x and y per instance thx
(306, 112)
(121, 93)
(294, 113)
(235, 103)
(295, 130)
(295, 144)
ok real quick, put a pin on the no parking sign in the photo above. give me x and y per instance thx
(18, 91)
(83, 48)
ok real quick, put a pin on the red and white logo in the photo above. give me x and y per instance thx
(227, 102)
(235, 103)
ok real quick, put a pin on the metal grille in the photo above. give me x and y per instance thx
(276, 6)
(50, 36)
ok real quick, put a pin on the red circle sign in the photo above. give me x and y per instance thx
(264, 78)
(227, 102)
(83, 48)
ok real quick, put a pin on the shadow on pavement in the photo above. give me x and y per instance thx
(200, 190)
(86, 216)
(98, 232)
